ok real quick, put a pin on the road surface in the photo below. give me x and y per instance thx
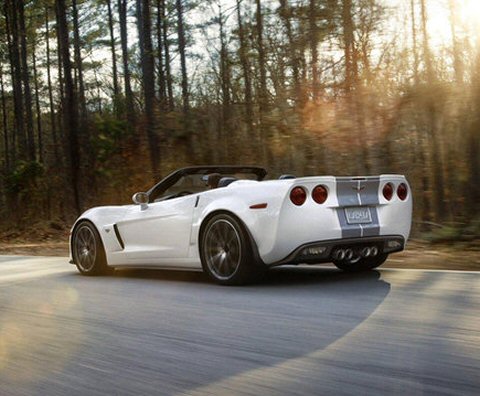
(303, 331)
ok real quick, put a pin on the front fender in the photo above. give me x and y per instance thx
(103, 218)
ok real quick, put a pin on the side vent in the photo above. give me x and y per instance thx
(117, 234)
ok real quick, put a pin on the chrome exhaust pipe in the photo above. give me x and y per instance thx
(339, 254)
(366, 251)
(374, 251)
(348, 254)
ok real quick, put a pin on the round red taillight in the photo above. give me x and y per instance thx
(388, 191)
(402, 191)
(320, 194)
(298, 196)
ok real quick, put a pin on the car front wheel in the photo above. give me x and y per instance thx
(87, 250)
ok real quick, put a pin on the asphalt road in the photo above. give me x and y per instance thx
(303, 331)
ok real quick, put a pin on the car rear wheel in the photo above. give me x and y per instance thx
(88, 251)
(226, 251)
(361, 264)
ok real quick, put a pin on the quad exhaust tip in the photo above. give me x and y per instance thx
(348, 254)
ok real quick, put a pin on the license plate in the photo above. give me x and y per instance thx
(358, 215)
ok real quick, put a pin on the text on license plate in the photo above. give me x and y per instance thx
(358, 215)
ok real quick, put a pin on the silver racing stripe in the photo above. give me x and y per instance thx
(372, 229)
(358, 192)
(348, 230)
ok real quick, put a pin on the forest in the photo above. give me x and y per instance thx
(102, 98)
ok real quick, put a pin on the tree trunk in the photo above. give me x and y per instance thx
(50, 92)
(427, 56)
(420, 145)
(16, 73)
(457, 56)
(263, 95)
(161, 71)
(166, 44)
(148, 65)
(183, 59)
(6, 145)
(138, 12)
(70, 106)
(472, 193)
(312, 19)
(354, 89)
(78, 61)
(351, 70)
(437, 163)
(246, 71)
(263, 92)
(60, 81)
(122, 12)
(225, 79)
(116, 91)
(37, 105)
(414, 43)
(285, 15)
(27, 94)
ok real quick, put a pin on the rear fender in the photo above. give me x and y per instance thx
(260, 223)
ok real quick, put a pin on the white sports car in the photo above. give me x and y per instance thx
(233, 224)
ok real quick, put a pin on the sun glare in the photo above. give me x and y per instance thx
(467, 18)
(470, 14)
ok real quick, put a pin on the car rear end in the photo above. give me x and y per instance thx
(324, 219)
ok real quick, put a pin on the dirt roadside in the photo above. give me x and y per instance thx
(418, 255)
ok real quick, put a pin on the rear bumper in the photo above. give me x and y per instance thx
(322, 251)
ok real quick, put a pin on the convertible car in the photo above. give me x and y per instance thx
(233, 224)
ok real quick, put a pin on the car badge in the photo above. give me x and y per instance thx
(358, 188)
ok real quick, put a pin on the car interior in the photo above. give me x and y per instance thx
(196, 183)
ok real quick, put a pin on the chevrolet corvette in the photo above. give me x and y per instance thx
(233, 224)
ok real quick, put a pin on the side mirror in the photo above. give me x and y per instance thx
(140, 198)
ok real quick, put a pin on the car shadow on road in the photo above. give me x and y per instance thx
(280, 276)
(179, 332)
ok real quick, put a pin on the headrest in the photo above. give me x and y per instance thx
(225, 181)
(212, 179)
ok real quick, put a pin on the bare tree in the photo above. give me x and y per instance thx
(16, 75)
(53, 122)
(437, 163)
(130, 108)
(116, 89)
(69, 108)
(6, 146)
(78, 61)
(245, 70)
(183, 57)
(27, 95)
(149, 88)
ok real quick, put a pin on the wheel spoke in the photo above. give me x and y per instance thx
(85, 248)
(222, 249)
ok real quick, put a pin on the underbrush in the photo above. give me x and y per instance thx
(464, 233)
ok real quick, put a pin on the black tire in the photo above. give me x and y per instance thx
(364, 264)
(226, 251)
(88, 251)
